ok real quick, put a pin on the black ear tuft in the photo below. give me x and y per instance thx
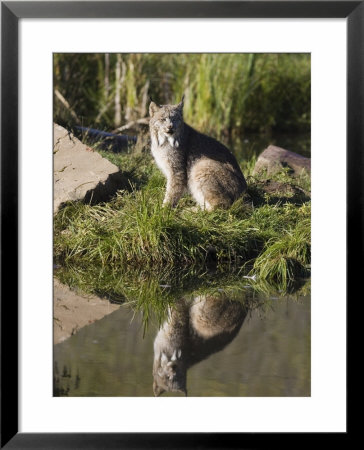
(181, 103)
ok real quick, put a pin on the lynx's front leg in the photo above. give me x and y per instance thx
(176, 185)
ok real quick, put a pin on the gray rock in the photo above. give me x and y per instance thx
(73, 310)
(81, 173)
(273, 159)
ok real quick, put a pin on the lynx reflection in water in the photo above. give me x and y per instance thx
(197, 325)
(192, 332)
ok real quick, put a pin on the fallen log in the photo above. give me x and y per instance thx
(106, 140)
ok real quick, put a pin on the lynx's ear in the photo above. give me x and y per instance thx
(184, 391)
(153, 108)
(157, 390)
(181, 103)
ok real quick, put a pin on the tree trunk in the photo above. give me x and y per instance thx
(117, 117)
(106, 77)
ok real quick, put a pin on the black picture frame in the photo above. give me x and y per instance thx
(11, 12)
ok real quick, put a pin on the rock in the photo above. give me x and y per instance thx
(81, 173)
(72, 311)
(273, 159)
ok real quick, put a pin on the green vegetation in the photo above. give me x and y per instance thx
(226, 94)
(109, 248)
(266, 233)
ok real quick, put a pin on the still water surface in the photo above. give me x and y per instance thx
(213, 346)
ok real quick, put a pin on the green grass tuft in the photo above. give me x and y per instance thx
(265, 233)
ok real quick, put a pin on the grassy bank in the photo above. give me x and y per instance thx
(266, 233)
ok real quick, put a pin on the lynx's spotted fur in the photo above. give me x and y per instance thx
(192, 161)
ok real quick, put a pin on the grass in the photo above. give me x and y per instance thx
(266, 234)
(227, 95)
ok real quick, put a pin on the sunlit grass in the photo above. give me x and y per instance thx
(266, 234)
(226, 94)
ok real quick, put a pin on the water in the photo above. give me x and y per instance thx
(216, 344)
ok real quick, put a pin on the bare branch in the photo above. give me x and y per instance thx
(143, 121)
(66, 104)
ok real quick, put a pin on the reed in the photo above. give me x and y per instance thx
(226, 94)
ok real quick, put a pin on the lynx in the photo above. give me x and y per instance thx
(192, 161)
(193, 331)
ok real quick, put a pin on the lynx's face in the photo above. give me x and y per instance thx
(166, 121)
